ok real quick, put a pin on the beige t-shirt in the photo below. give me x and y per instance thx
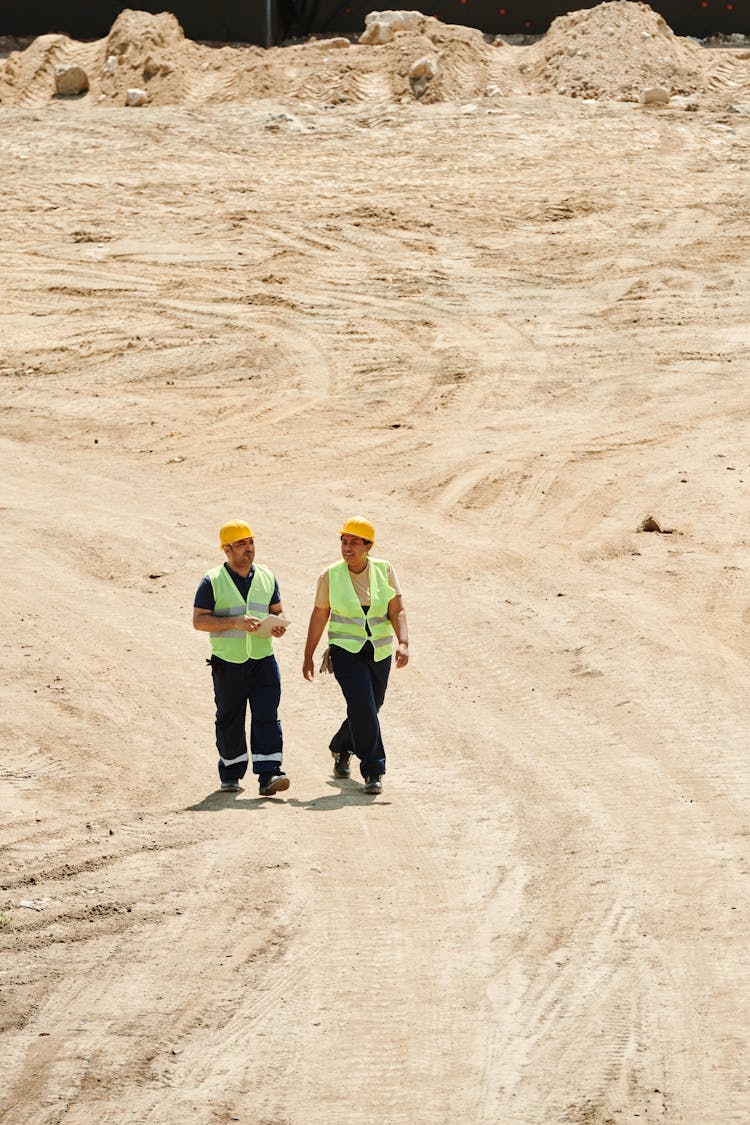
(360, 582)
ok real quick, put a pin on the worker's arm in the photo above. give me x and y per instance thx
(207, 622)
(318, 619)
(397, 618)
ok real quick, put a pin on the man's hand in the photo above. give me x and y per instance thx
(402, 655)
(250, 624)
(308, 668)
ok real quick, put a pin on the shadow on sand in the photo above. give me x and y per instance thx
(346, 795)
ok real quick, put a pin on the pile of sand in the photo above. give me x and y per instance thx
(27, 72)
(612, 51)
(146, 52)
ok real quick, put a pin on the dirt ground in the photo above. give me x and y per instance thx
(506, 324)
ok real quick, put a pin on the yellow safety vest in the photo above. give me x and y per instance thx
(346, 625)
(235, 645)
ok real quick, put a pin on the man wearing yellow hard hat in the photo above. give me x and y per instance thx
(230, 604)
(360, 599)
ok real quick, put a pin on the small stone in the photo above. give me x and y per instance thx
(648, 523)
(136, 97)
(654, 95)
(278, 121)
(425, 67)
(336, 44)
(421, 74)
(70, 81)
(380, 27)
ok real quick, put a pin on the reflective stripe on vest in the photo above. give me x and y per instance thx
(346, 624)
(341, 620)
(236, 645)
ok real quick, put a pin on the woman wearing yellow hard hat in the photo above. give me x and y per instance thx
(359, 597)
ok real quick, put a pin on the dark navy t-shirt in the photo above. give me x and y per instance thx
(204, 595)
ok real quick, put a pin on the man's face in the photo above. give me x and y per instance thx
(240, 554)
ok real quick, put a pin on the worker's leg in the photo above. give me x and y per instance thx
(363, 682)
(341, 743)
(380, 670)
(265, 728)
(230, 694)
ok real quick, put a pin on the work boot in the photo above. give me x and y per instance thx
(341, 764)
(373, 785)
(269, 784)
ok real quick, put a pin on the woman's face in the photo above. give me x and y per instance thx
(354, 552)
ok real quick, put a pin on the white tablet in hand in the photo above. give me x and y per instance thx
(269, 623)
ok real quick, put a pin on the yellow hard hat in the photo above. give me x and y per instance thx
(358, 525)
(234, 530)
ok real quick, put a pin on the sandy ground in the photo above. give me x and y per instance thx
(507, 330)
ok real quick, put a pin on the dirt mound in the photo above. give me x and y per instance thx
(364, 72)
(464, 62)
(136, 35)
(25, 69)
(142, 50)
(612, 51)
(149, 52)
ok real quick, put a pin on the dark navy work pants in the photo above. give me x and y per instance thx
(363, 680)
(257, 683)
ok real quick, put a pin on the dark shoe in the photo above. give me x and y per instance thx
(276, 783)
(341, 764)
(230, 786)
(373, 785)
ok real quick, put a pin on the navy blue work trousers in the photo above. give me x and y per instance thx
(363, 680)
(257, 683)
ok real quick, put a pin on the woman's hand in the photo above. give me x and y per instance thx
(402, 654)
